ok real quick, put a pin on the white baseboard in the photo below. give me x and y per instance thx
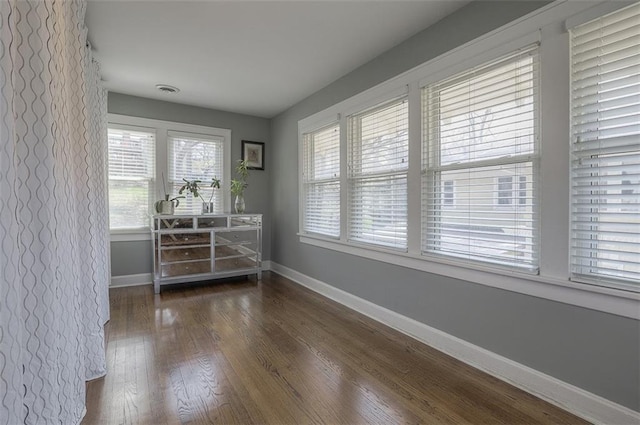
(266, 265)
(131, 280)
(582, 403)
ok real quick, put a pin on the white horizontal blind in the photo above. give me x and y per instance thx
(131, 177)
(196, 156)
(378, 146)
(605, 199)
(321, 181)
(480, 160)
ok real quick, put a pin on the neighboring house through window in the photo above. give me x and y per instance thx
(508, 194)
(448, 187)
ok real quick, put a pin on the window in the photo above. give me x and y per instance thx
(505, 190)
(196, 156)
(605, 203)
(321, 181)
(447, 193)
(522, 190)
(149, 158)
(378, 146)
(131, 176)
(629, 191)
(508, 195)
(481, 134)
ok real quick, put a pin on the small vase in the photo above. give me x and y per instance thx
(239, 204)
(207, 208)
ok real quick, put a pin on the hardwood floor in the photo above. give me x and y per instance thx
(276, 353)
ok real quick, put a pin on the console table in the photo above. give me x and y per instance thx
(188, 248)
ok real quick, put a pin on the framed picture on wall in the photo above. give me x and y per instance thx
(253, 152)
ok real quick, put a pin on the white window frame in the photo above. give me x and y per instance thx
(354, 177)
(173, 186)
(452, 104)
(306, 182)
(601, 252)
(546, 26)
(162, 162)
(152, 181)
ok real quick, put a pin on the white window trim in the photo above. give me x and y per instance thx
(140, 128)
(592, 260)
(351, 178)
(162, 161)
(545, 25)
(301, 179)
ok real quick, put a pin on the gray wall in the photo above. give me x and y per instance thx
(592, 350)
(135, 257)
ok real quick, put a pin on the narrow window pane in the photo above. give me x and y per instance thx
(481, 139)
(378, 164)
(131, 177)
(605, 149)
(321, 181)
(194, 157)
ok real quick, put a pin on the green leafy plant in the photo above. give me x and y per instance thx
(193, 187)
(175, 198)
(215, 184)
(238, 187)
(240, 184)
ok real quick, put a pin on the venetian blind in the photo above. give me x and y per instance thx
(605, 106)
(321, 181)
(196, 156)
(131, 177)
(378, 146)
(480, 163)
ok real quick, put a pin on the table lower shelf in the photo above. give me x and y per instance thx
(197, 277)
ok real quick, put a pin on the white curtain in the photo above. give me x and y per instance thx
(54, 252)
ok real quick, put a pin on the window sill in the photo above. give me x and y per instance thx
(130, 235)
(609, 300)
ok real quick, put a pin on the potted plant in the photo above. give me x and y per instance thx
(193, 187)
(240, 184)
(167, 206)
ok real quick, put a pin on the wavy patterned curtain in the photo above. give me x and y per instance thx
(54, 252)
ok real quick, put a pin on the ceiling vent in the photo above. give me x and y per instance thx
(164, 88)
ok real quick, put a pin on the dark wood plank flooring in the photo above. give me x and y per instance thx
(273, 352)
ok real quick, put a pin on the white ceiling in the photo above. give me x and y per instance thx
(251, 57)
